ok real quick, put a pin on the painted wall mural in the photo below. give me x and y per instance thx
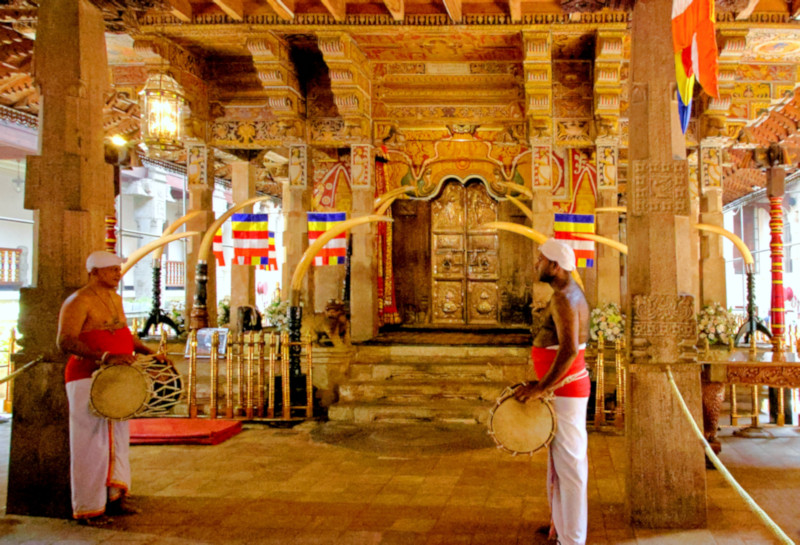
(331, 191)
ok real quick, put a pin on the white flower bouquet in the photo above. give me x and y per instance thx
(715, 324)
(276, 314)
(608, 320)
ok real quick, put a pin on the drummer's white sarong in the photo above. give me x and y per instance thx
(100, 470)
(568, 471)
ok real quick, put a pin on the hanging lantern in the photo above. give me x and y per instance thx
(163, 107)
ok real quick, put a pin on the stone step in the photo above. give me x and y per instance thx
(442, 411)
(442, 354)
(420, 391)
(419, 371)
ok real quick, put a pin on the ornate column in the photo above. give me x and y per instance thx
(71, 190)
(712, 261)
(363, 265)
(201, 278)
(243, 278)
(295, 205)
(662, 449)
(775, 190)
(537, 64)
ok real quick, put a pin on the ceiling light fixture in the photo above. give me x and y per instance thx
(163, 108)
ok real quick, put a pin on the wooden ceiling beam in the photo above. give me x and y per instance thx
(337, 8)
(181, 10)
(515, 10)
(283, 8)
(397, 9)
(453, 8)
(232, 8)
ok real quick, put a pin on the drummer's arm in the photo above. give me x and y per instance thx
(140, 348)
(70, 322)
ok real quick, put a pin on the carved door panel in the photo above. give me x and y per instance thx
(464, 262)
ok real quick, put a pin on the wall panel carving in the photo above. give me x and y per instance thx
(659, 188)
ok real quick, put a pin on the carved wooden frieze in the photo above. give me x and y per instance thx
(659, 187)
(197, 165)
(361, 165)
(298, 166)
(664, 327)
(229, 133)
(277, 74)
(347, 67)
(607, 158)
(710, 165)
(772, 375)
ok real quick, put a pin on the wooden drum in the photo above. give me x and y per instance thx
(521, 428)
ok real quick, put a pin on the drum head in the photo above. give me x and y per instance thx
(118, 392)
(522, 428)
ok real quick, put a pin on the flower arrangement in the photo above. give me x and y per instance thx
(716, 324)
(608, 320)
(224, 311)
(276, 314)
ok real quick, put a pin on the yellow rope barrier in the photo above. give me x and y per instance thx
(760, 513)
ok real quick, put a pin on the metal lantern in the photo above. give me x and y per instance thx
(163, 107)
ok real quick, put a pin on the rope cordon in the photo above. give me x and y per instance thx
(760, 513)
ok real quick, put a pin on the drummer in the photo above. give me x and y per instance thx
(558, 360)
(92, 328)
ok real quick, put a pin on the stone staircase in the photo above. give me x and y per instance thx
(427, 383)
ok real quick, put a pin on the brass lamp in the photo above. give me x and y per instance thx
(163, 108)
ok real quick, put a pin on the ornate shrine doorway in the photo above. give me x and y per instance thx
(464, 260)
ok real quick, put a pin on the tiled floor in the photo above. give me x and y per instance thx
(336, 484)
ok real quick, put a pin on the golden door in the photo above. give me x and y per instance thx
(464, 264)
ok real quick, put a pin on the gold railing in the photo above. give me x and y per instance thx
(6, 368)
(617, 414)
(174, 274)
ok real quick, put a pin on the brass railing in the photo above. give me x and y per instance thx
(617, 414)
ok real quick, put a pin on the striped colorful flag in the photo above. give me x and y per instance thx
(567, 226)
(217, 248)
(695, 46)
(253, 242)
(334, 252)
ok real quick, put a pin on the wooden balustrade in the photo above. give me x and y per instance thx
(10, 260)
(174, 274)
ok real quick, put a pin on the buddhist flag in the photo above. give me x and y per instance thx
(567, 227)
(694, 44)
(252, 239)
(217, 248)
(334, 252)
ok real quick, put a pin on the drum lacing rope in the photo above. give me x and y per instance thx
(760, 513)
(19, 371)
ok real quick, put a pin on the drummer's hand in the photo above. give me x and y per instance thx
(120, 359)
(162, 358)
(528, 391)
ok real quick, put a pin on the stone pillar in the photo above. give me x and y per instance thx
(363, 266)
(295, 222)
(542, 208)
(666, 483)
(608, 269)
(201, 192)
(71, 190)
(712, 261)
(243, 278)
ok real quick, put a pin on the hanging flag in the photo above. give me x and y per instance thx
(217, 248)
(334, 252)
(694, 44)
(566, 228)
(252, 239)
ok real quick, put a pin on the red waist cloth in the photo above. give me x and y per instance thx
(542, 361)
(119, 341)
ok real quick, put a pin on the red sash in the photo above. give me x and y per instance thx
(119, 341)
(543, 359)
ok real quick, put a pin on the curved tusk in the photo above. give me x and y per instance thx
(393, 194)
(530, 233)
(620, 209)
(313, 249)
(208, 238)
(136, 256)
(525, 210)
(739, 243)
(617, 245)
(518, 188)
(171, 229)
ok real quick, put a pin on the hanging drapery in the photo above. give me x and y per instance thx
(387, 303)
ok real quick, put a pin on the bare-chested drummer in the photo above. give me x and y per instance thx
(558, 360)
(93, 329)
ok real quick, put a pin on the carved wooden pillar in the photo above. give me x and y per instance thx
(666, 471)
(71, 190)
(363, 266)
(608, 269)
(295, 205)
(201, 278)
(712, 261)
(243, 278)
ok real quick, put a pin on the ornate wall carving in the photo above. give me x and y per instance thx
(659, 188)
(664, 328)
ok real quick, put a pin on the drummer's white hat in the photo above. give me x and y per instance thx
(101, 259)
(557, 251)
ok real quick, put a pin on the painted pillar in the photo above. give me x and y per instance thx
(243, 278)
(608, 268)
(201, 278)
(363, 264)
(666, 480)
(295, 223)
(775, 190)
(70, 188)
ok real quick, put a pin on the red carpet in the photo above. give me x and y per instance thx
(182, 431)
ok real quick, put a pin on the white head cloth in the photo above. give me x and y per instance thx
(102, 259)
(557, 251)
